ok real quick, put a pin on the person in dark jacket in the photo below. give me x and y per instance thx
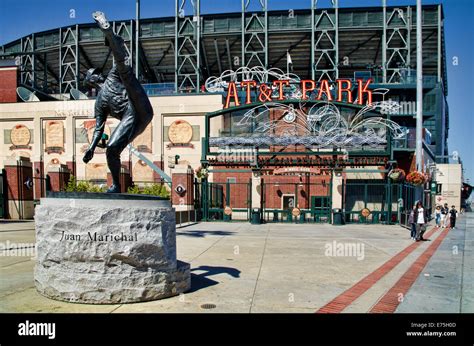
(411, 221)
(453, 213)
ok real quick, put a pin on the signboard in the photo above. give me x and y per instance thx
(54, 133)
(295, 212)
(20, 137)
(180, 132)
(322, 90)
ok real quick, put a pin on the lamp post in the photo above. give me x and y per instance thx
(137, 35)
(419, 88)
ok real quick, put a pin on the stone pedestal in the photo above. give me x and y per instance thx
(102, 248)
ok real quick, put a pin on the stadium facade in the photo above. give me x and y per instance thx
(254, 166)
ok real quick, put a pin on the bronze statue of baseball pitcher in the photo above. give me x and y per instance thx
(122, 97)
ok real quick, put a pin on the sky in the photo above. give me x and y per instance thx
(22, 17)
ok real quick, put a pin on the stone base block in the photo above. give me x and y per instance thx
(107, 249)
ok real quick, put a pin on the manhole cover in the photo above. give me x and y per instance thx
(208, 306)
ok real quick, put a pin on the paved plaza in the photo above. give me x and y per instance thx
(238, 267)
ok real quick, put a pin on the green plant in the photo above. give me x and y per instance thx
(397, 174)
(71, 184)
(82, 186)
(201, 173)
(416, 178)
(133, 189)
(150, 189)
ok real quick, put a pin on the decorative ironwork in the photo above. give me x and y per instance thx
(257, 73)
(320, 126)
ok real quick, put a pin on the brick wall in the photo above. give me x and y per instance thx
(185, 179)
(275, 187)
(278, 185)
(239, 193)
(8, 84)
(16, 177)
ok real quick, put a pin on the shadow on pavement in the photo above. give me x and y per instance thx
(201, 280)
(202, 234)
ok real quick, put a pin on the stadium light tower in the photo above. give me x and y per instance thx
(137, 35)
(419, 88)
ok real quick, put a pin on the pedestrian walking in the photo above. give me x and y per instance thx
(444, 213)
(421, 220)
(453, 214)
(438, 216)
(412, 223)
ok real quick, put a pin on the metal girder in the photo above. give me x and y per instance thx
(28, 61)
(221, 55)
(83, 54)
(46, 69)
(216, 48)
(165, 53)
(360, 45)
(396, 43)
(68, 59)
(325, 42)
(124, 30)
(187, 47)
(293, 46)
(227, 47)
(255, 35)
(204, 58)
(147, 70)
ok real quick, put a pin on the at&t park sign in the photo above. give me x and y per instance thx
(304, 90)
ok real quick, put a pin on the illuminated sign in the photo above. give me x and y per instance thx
(275, 91)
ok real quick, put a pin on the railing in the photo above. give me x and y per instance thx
(155, 89)
(428, 81)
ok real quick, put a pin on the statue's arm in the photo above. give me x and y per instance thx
(100, 113)
(100, 119)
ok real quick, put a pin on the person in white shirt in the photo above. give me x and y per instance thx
(421, 220)
(445, 216)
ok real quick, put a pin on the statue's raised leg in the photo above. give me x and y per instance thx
(135, 91)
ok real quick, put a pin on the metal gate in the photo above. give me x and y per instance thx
(297, 202)
(408, 196)
(228, 201)
(370, 202)
(379, 202)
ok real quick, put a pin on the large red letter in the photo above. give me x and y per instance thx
(280, 84)
(304, 89)
(232, 92)
(324, 88)
(363, 89)
(341, 89)
(248, 84)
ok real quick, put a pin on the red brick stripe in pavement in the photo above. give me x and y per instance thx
(346, 298)
(389, 302)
